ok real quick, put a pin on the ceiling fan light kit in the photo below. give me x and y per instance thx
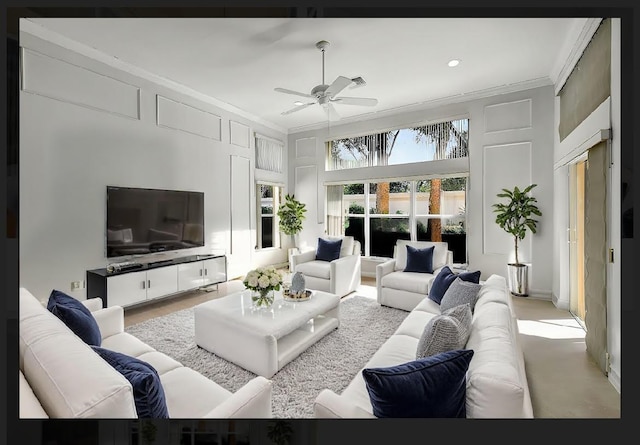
(326, 95)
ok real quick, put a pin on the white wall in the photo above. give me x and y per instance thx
(510, 143)
(84, 125)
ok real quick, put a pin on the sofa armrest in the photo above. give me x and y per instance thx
(93, 304)
(303, 257)
(253, 400)
(341, 273)
(449, 258)
(383, 269)
(328, 404)
(110, 320)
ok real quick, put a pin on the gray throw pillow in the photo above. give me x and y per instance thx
(460, 292)
(446, 332)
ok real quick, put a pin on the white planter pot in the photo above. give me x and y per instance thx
(518, 278)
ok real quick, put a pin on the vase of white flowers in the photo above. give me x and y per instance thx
(263, 281)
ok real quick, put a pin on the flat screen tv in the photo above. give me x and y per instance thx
(143, 221)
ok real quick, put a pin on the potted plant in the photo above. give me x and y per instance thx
(291, 214)
(515, 218)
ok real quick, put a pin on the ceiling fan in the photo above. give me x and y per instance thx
(325, 95)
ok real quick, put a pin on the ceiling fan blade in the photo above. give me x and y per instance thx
(338, 85)
(298, 108)
(331, 112)
(296, 93)
(366, 101)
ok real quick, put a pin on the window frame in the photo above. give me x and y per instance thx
(277, 198)
(412, 216)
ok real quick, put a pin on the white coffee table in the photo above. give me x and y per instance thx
(264, 340)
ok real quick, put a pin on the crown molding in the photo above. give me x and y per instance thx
(429, 104)
(575, 44)
(39, 31)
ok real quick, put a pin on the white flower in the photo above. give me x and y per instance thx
(263, 281)
(274, 280)
(253, 282)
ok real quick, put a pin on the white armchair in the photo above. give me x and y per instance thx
(404, 290)
(340, 276)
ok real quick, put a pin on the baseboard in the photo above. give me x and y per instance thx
(540, 294)
(614, 379)
(560, 304)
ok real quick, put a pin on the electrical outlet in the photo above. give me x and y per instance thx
(75, 285)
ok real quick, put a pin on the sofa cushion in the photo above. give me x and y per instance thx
(191, 395)
(126, 344)
(495, 386)
(429, 306)
(444, 279)
(410, 281)
(439, 253)
(433, 386)
(446, 332)
(494, 289)
(419, 260)
(347, 244)
(460, 292)
(414, 325)
(148, 392)
(315, 268)
(76, 316)
(328, 250)
(30, 407)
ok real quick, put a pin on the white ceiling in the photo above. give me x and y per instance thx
(403, 60)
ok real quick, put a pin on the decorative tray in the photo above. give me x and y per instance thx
(288, 297)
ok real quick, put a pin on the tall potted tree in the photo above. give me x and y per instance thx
(291, 213)
(515, 218)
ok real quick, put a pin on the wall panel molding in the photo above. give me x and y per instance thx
(187, 118)
(60, 80)
(508, 116)
(306, 148)
(306, 191)
(239, 134)
(518, 156)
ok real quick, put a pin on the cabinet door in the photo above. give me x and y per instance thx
(127, 289)
(162, 281)
(214, 270)
(190, 275)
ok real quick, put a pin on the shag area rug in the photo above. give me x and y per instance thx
(330, 363)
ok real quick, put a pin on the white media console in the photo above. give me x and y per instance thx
(156, 279)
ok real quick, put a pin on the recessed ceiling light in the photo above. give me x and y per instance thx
(453, 62)
(297, 102)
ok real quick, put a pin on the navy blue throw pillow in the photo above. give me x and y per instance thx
(328, 250)
(419, 260)
(76, 316)
(433, 386)
(148, 392)
(444, 279)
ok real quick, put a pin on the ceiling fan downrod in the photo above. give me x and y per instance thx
(321, 45)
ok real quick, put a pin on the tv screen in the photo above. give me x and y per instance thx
(142, 221)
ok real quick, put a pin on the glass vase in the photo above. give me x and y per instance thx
(262, 298)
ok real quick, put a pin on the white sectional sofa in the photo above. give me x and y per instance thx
(496, 380)
(63, 377)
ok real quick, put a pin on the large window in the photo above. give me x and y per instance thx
(269, 199)
(423, 210)
(442, 140)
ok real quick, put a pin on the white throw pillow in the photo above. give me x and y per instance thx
(347, 244)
